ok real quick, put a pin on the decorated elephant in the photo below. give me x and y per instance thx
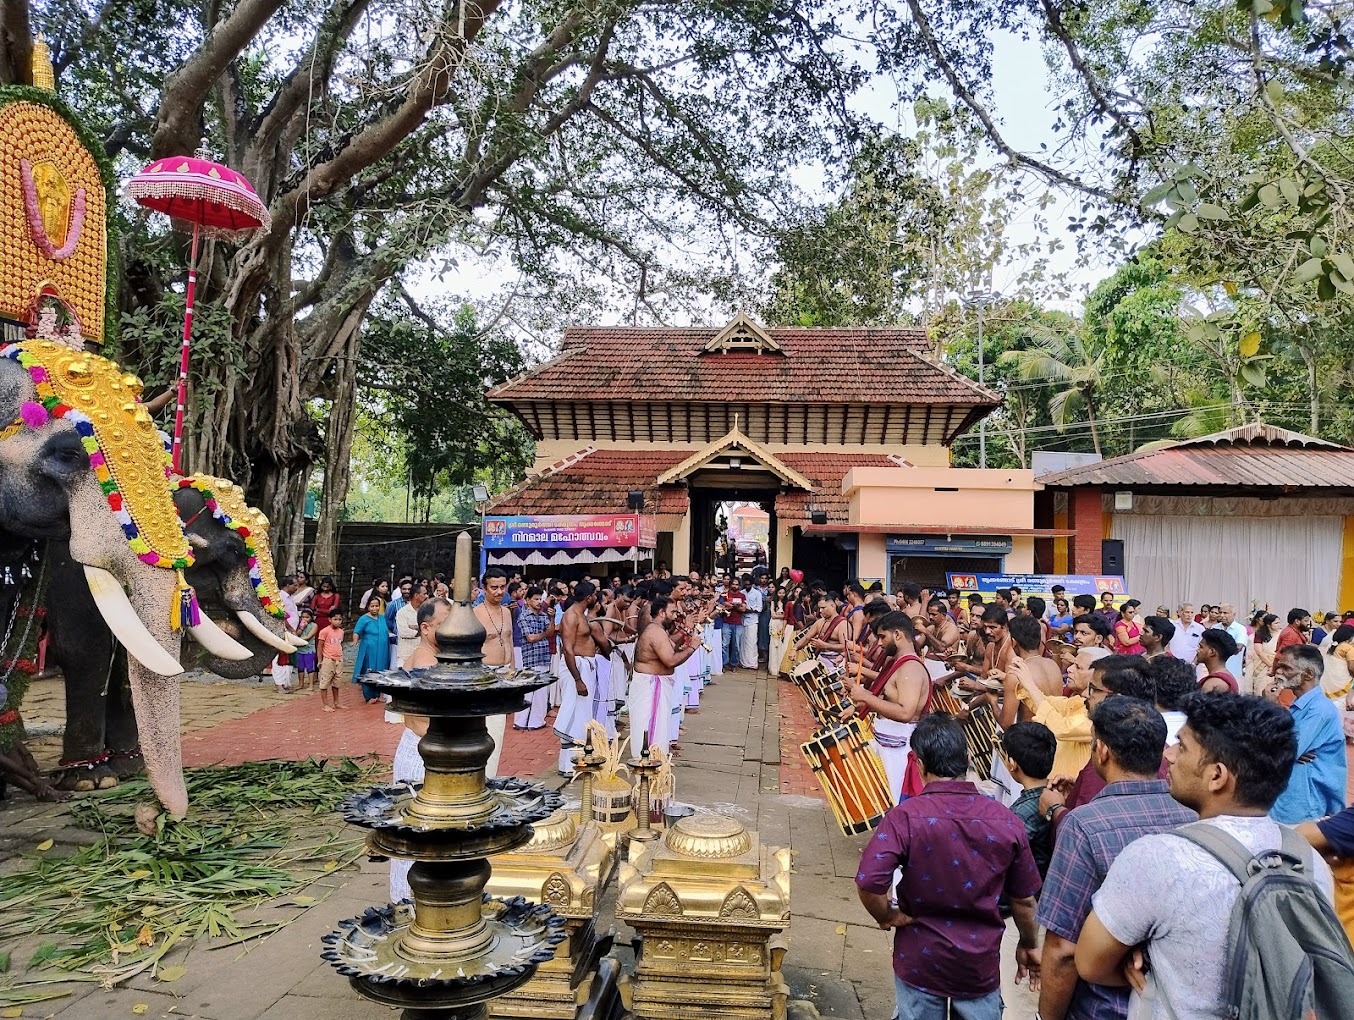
(82, 461)
(232, 577)
(233, 573)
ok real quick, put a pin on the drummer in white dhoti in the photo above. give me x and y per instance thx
(898, 698)
(657, 657)
(583, 640)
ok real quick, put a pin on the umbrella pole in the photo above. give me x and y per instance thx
(177, 449)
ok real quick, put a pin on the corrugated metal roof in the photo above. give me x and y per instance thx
(1251, 456)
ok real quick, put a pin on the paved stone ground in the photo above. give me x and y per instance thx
(736, 759)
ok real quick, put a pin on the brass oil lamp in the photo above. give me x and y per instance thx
(444, 955)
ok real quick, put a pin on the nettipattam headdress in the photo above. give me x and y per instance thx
(228, 507)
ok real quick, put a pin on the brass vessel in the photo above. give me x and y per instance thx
(566, 866)
(708, 902)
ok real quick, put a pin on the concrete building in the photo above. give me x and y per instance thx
(841, 435)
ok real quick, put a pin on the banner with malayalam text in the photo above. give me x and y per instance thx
(570, 531)
(987, 585)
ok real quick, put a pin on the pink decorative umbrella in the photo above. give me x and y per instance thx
(217, 202)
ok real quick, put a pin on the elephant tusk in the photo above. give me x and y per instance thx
(295, 639)
(256, 627)
(217, 642)
(117, 611)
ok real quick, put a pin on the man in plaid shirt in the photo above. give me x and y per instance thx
(1130, 736)
(537, 628)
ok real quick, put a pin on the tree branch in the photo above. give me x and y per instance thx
(428, 88)
(1055, 23)
(966, 96)
(178, 127)
(308, 78)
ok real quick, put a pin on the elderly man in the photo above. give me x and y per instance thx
(1227, 621)
(1317, 786)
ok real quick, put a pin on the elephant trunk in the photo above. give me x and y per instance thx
(155, 699)
(153, 674)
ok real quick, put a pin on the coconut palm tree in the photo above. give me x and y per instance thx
(1067, 362)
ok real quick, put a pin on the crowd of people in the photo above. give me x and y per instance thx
(1134, 773)
(1134, 754)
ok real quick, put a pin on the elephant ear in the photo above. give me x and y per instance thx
(125, 449)
(227, 504)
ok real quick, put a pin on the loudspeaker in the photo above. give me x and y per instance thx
(635, 499)
(818, 517)
(1112, 556)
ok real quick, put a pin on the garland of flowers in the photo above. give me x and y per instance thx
(34, 214)
(266, 598)
(28, 93)
(49, 404)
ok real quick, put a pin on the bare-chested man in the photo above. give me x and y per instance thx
(582, 636)
(899, 697)
(496, 619)
(830, 642)
(1026, 639)
(942, 636)
(657, 657)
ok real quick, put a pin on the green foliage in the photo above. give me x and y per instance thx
(857, 261)
(423, 377)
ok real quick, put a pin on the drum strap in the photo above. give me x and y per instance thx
(877, 686)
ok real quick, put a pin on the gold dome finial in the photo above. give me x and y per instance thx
(43, 76)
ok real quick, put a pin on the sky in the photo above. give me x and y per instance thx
(1022, 105)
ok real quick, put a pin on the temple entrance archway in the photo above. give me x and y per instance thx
(706, 504)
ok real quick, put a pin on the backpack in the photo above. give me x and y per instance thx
(1288, 958)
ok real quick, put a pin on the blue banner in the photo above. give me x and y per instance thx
(986, 585)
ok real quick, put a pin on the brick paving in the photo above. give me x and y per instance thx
(796, 726)
(298, 728)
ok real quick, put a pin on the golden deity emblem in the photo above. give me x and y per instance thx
(54, 201)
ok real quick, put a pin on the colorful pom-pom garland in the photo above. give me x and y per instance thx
(267, 598)
(85, 429)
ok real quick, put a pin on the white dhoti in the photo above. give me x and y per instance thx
(695, 679)
(533, 716)
(516, 657)
(681, 681)
(893, 742)
(575, 711)
(284, 675)
(407, 768)
(555, 692)
(622, 660)
(603, 708)
(716, 650)
(650, 711)
(747, 651)
(497, 725)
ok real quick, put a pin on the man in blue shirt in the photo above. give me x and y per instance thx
(1317, 785)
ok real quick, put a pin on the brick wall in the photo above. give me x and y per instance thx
(1086, 517)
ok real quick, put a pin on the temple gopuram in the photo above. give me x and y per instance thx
(841, 435)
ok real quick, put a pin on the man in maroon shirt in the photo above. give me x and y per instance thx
(958, 851)
(1298, 631)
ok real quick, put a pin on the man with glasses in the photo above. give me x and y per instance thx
(1110, 676)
